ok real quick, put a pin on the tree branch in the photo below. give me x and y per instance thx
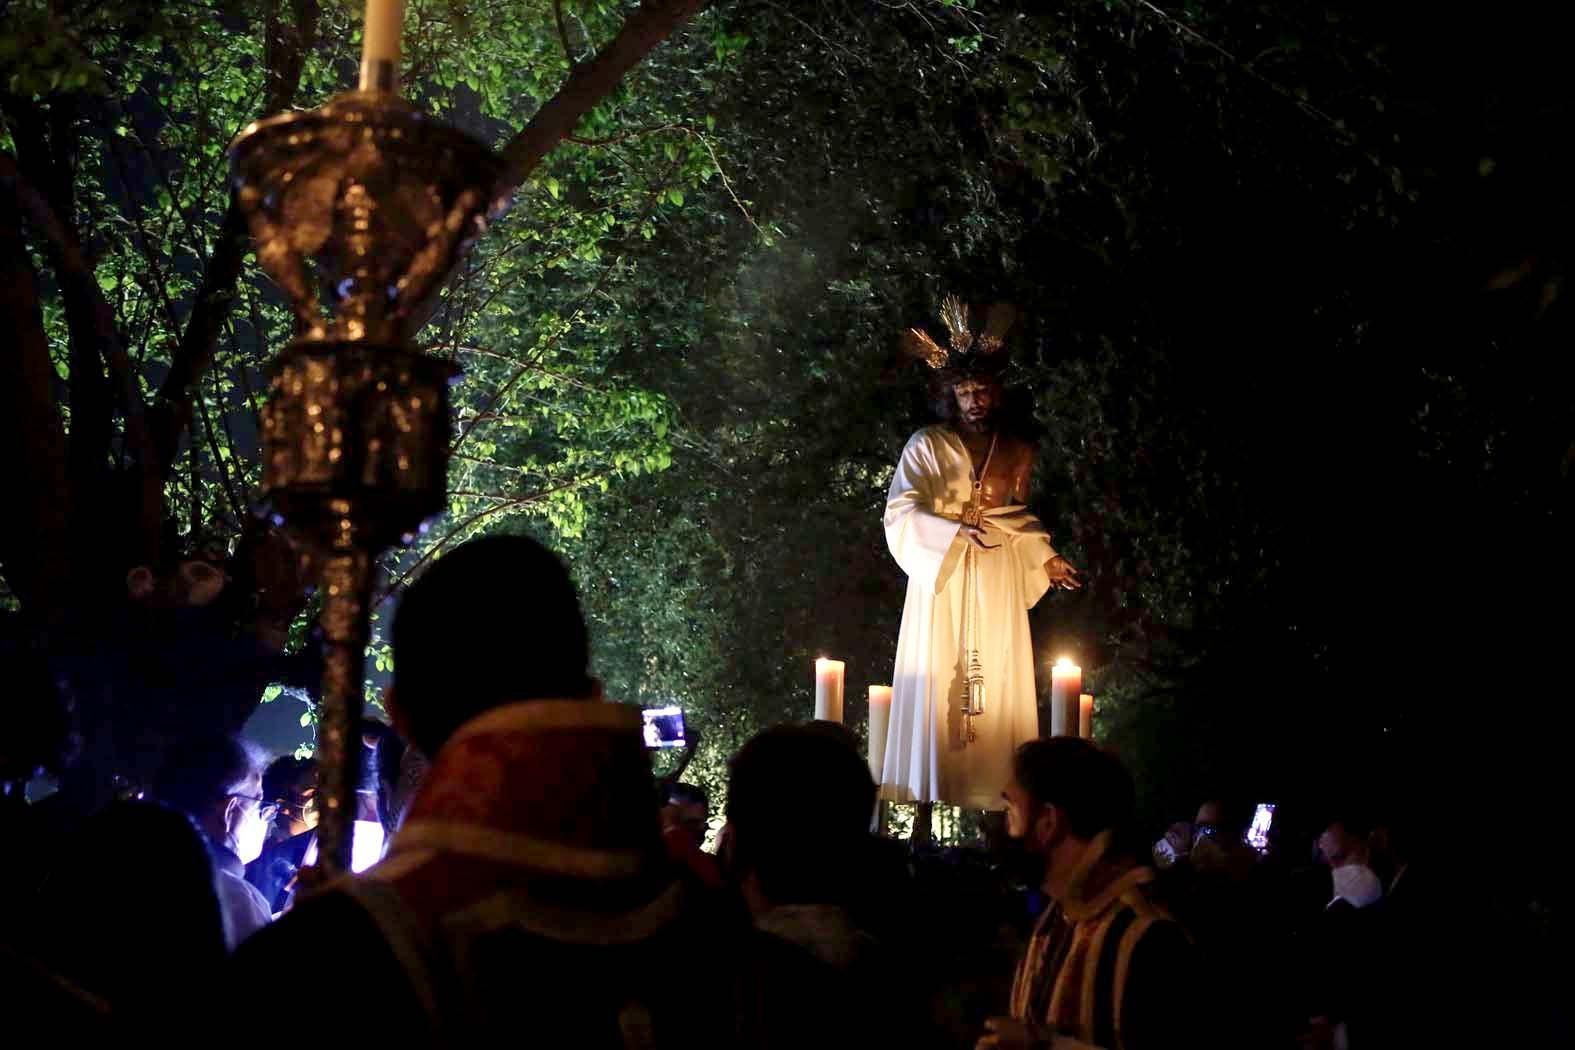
(476, 519)
(588, 84)
(286, 50)
(716, 161)
(519, 373)
(229, 432)
(46, 147)
(75, 272)
(563, 33)
(237, 507)
(260, 336)
(633, 133)
(562, 377)
(33, 546)
(196, 491)
(1337, 127)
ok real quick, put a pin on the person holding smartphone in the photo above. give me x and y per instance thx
(685, 821)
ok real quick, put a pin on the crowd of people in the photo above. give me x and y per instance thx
(539, 884)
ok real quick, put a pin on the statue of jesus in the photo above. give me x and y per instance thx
(963, 695)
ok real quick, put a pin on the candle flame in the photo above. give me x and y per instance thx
(1065, 661)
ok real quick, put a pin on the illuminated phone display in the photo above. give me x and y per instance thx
(1258, 832)
(664, 727)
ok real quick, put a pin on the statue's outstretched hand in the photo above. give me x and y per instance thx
(1062, 576)
(975, 534)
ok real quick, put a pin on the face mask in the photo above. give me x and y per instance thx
(250, 835)
(1357, 884)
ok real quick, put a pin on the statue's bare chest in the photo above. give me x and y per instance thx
(1001, 472)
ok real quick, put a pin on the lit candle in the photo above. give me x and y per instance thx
(1066, 684)
(1085, 716)
(828, 690)
(385, 24)
(880, 718)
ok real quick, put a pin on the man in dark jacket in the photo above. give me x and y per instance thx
(1106, 965)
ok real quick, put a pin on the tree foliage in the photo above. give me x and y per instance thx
(147, 327)
(1268, 257)
(1292, 285)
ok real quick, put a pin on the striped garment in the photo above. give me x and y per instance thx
(1076, 974)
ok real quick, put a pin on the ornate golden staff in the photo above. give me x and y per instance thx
(372, 201)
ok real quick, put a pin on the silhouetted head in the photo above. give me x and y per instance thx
(494, 622)
(799, 803)
(216, 780)
(128, 911)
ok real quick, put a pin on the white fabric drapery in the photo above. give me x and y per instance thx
(928, 755)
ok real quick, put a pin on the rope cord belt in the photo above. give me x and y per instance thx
(972, 701)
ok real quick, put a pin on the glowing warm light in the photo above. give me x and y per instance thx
(828, 689)
(880, 718)
(1066, 685)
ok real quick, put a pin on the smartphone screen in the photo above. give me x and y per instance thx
(1258, 831)
(664, 727)
(1164, 853)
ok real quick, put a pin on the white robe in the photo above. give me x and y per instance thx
(928, 756)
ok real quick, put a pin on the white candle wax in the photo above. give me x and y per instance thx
(385, 25)
(1066, 684)
(828, 690)
(1085, 716)
(880, 719)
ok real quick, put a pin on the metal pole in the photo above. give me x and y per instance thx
(347, 594)
(371, 201)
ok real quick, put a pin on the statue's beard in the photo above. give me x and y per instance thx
(976, 422)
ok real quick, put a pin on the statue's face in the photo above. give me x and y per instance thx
(976, 401)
